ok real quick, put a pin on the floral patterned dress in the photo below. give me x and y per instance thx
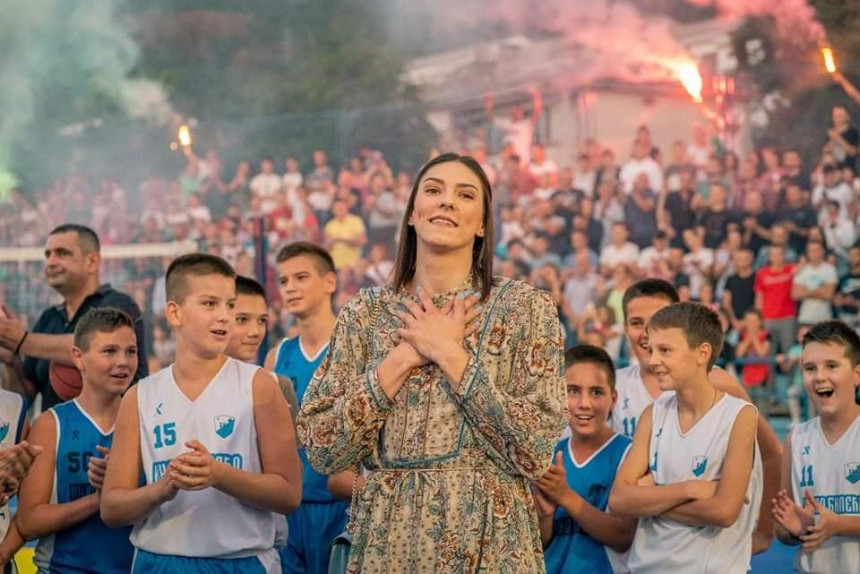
(449, 469)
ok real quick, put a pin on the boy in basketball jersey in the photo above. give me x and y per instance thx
(308, 281)
(638, 387)
(819, 505)
(13, 429)
(213, 438)
(578, 534)
(694, 451)
(250, 322)
(59, 501)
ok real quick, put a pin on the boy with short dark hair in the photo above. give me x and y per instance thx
(308, 281)
(638, 387)
(578, 533)
(819, 505)
(202, 512)
(59, 502)
(693, 475)
(251, 320)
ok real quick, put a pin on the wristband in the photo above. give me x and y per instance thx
(20, 343)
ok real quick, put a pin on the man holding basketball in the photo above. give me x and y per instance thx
(40, 360)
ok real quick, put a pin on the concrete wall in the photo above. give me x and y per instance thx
(612, 117)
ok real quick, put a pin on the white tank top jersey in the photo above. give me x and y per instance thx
(633, 398)
(832, 473)
(205, 523)
(662, 545)
(13, 411)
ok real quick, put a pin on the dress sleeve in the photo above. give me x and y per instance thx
(344, 406)
(520, 415)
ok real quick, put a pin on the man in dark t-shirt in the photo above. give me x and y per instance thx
(678, 207)
(798, 217)
(739, 292)
(716, 218)
(72, 260)
(755, 221)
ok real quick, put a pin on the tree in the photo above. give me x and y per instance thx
(289, 76)
(788, 81)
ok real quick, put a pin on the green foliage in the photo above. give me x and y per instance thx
(770, 64)
(841, 19)
(284, 77)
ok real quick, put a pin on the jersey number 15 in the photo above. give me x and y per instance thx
(165, 435)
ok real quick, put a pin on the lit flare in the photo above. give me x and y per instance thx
(829, 59)
(691, 79)
(184, 136)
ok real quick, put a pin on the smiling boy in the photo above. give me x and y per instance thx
(578, 533)
(59, 502)
(819, 505)
(693, 476)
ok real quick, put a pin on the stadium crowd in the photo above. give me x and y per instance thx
(767, 239)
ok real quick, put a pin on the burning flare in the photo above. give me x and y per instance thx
(184, 136)
(691, 79)
(829, 59)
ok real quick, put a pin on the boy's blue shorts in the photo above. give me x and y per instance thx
(150, 563)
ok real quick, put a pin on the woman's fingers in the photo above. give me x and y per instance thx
(426, 299)
(413, 308)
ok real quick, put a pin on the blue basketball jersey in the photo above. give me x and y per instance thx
(291, 361)
(89, 546)
(572, 550)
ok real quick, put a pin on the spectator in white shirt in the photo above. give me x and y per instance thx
(198, 212)
(814, 286)
(619, 251)
(641, 162)
(585, 176)
(581, 289)
(698, 151)
(832, 188)
(545, 188)
(292, 179)
(608, 209)
(542, 165)
(698, 261)
(652, 259)
(266, 186)
(322, 176)
(839, 231)
(520, 132)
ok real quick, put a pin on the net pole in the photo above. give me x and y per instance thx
(261, 269)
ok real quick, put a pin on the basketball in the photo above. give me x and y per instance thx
(65, 380)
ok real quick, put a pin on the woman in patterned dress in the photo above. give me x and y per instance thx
(448, 388)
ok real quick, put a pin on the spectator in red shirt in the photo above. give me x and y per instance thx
(754, 344)
(773, 298)
(753, 350)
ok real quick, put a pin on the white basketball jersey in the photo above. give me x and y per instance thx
(203, 523)
(13, 410)
(633, 398)
(662, 545)
(832, 473)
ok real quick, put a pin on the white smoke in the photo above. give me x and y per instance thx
(608, 38)
(53, 45)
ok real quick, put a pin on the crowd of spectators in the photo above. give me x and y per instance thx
(768, 239)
